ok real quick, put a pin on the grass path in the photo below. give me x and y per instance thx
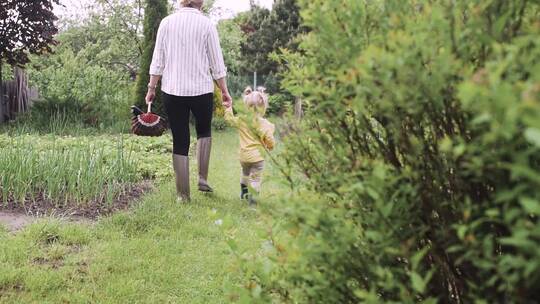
(159, 252)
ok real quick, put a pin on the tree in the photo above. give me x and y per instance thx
(155, 11)
(268, 32)
(232, 38)
(26, 27)
(110, 36)
(255, 49)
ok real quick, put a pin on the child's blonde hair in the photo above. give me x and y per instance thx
(257, 100)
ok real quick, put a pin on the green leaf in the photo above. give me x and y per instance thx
(530, 205)
(533, 136)
(417, 257)
(417, 282)
(518, 242)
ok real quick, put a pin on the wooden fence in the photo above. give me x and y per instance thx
(17, 97)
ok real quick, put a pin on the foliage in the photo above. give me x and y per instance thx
(231, 38)
(110, 35)
(155, 11)
(25, 27)
(87, 81)
(78, 175)
(267, 32)
(149, 155)
(419, 159)
(85, 91)
(219, 124)
(253, 51)
(219, 109)
(77, 169)
(279, 104)
(218, 121)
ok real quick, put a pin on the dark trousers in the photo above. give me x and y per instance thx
(178, 109)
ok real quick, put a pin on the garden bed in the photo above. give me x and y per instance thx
(81, 177)
(40, 206)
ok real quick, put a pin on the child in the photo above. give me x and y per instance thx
(256, 135)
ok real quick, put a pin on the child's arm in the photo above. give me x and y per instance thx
(268, 137)
(229, 116)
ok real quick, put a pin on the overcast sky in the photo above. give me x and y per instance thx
(74, 7)
(241, 5)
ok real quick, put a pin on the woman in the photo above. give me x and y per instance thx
(187, 59)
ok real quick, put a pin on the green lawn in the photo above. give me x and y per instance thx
(159, 252)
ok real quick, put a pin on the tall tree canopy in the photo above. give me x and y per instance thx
(26, 27)
(232, 38)
(256, 47)
(110, 35)
(267, 32)
(155, 11)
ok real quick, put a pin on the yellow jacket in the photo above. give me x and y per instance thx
(254, 137)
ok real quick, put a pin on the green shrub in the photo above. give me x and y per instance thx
(219, 109)
(420, 157)
(219, 124)
(279, 104)
(89, 95)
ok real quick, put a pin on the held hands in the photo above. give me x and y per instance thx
(227, 100)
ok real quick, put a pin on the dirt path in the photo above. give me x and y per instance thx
(14, 222)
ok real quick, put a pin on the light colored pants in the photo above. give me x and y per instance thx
(252, 174)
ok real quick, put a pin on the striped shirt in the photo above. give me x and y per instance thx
(187, 54)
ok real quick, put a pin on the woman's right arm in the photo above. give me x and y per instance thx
(217, 65)
(158, 62)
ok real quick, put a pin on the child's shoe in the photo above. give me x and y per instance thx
(244, 194)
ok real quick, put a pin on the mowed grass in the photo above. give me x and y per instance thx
(158, 252)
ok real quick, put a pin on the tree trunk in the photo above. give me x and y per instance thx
(298, 111)
(22, 103)
(2, 103)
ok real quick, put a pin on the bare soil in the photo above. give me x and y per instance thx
(16, 215)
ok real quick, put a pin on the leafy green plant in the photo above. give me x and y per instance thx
(74, 176)
(279, 104)
(92, 95)
(219, 124)
(417, 166)
(78, 170)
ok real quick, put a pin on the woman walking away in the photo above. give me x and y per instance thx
(187, 59)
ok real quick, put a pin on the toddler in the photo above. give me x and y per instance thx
(256, 135)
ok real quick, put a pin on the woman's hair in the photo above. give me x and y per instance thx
(257, 100)
(192, 3)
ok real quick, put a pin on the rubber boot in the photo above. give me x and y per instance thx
(204, 146)
(181, 171)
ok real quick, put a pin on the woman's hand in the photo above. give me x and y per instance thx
(150, 95)
(227, 100)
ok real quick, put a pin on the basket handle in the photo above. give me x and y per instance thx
(149, 107)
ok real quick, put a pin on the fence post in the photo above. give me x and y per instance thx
(255, 80)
